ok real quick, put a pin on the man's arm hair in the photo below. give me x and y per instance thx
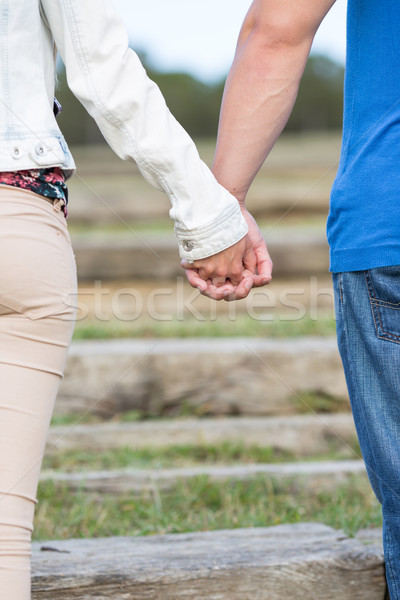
(271, 54)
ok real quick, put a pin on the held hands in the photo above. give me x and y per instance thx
(230, 274)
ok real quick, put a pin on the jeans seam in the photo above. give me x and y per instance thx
(392, 337)
(389, 561)
(371, 463)
(340, 287)
(372, 297)
(375, 303)
(385, 304)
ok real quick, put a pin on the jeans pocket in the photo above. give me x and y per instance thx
(384, 294)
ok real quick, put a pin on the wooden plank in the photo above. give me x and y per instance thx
(371, 536)
(135, 480)
(210, 376)
(301, 561)
(303, 435)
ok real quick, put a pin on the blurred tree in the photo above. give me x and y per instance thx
(78, 127)
(319, 102)
(196, 104)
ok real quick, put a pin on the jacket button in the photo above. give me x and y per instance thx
(16, 152)
(188, 245)
(40, 151)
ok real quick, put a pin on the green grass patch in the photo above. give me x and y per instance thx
(76, 419)
(225, 453)
(130, 416)
(320, 403)
(241, 326)
(199, 505)
(171, 456)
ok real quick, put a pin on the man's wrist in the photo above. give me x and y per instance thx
(240, 195)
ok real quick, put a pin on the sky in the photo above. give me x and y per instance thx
(199, 36)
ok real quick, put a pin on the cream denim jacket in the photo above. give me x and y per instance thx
(109, 80)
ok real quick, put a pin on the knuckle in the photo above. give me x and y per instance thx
(236, 274)
(219, 273)
(206, 271)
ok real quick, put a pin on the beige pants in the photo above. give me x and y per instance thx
(37, 299)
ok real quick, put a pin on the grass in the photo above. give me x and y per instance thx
(172, 456)
(320, 403)
(200, 505)
(225, 453)
(241, 326)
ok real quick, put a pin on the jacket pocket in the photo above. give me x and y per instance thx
(384, 293)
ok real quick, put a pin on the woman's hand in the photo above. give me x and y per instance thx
(230, 274)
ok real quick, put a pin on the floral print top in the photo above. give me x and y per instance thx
(46, 182)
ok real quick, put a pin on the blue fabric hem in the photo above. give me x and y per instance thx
(361, 259)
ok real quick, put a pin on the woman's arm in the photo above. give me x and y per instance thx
(109, 80)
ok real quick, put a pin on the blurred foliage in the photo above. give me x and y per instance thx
(319, 104)
(196, 104)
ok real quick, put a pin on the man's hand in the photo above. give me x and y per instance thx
(260, 91)
(263, 272)
(230, 274)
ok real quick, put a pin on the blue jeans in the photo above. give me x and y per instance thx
(368, 330)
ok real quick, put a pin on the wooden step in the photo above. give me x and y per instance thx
(209, 376)
(301, 435)
(127, 256)
(305, 561)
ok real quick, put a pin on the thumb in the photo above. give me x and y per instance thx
(187, 264)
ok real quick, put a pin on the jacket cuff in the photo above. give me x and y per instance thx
(201, 242)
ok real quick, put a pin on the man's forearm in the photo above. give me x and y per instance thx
(262, 86)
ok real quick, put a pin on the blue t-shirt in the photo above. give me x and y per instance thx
(364, 220)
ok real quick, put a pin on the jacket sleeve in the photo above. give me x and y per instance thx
(109, 80)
